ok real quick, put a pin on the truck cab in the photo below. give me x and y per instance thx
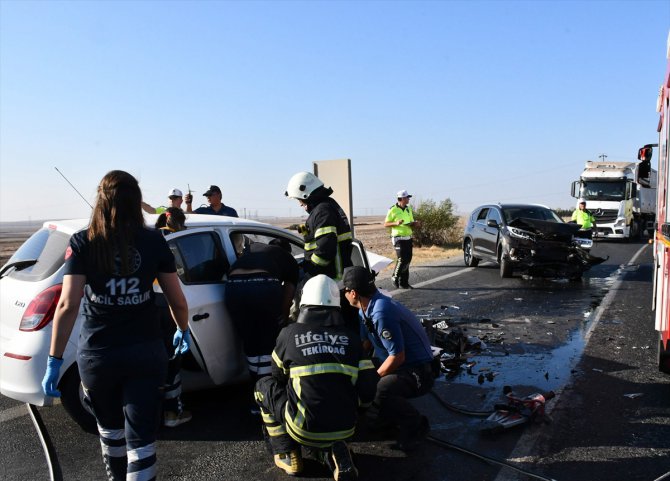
(621, 196)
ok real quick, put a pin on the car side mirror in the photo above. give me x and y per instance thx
(491, 223)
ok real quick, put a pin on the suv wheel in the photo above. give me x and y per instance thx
(505, 266)
(468, 258)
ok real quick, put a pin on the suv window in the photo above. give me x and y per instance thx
(482, 214)
(495, 215)
(47, 246)
(199, 258)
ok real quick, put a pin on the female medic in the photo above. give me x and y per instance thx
(121, 357)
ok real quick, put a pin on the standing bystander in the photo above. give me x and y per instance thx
(215, 207)
(176, 199)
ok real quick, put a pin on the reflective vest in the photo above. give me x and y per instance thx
(397, 213)
(583, 218)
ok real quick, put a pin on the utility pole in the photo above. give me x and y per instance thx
(603, 157)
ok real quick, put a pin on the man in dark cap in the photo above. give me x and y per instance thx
(403, 352)
(215, 207)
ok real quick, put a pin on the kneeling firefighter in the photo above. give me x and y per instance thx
(329, 381)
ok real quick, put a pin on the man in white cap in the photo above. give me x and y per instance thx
(174, 195)
(400, 218)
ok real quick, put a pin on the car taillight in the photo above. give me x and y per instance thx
(41, 310)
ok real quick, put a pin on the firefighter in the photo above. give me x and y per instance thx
(403, 353)
(328, 237)
(319, 380)
(584, 218)
(327, 230)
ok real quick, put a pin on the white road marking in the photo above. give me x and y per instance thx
(434, 280)
(13, 413)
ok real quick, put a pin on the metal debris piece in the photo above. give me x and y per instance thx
(634, 395)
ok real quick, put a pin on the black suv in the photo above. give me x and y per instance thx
(526, 237)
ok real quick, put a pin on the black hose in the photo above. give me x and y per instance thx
(451, 407)
(448, 445)
(55, 472)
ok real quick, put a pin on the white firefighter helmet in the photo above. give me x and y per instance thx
(320, 290)
(301, 185)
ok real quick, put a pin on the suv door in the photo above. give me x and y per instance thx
(477, 233)
(491, 234)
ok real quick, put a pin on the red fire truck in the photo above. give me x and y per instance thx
(661, 294)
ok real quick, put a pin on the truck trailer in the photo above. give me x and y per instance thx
(621, 196)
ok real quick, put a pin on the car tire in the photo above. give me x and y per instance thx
(505, 267)
(71, 397)
(468, 258)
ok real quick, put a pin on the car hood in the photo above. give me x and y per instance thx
(546, 229)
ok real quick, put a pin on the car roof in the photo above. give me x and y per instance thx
(70, 226)
(513, 206)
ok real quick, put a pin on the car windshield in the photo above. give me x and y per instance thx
(530, 212)
(592, 190)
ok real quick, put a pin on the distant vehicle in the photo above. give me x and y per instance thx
(661, 291)
(30, 287)
(621, 196)
(526, 237)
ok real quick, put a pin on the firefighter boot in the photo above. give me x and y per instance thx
(343, 465)
(290, 463)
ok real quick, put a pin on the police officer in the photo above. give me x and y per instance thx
(319, 377)
(121, 358)
(584, 218)
(259, 291)
(400, 218)
(402, 348)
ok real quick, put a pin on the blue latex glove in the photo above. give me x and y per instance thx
(181, 341)
(50, 380)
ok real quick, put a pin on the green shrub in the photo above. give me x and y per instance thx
(438, 224)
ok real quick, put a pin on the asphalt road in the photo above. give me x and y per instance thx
(591, 341)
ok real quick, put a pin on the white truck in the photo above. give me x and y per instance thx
(621, 196)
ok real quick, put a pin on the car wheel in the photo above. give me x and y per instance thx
(505, 267)
(71, 397)
(470, 260)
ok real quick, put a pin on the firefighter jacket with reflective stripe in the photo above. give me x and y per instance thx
(327, 240)
(583, 218)
(326, 379)
(397, 213)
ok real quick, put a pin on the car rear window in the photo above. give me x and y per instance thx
(47, 246)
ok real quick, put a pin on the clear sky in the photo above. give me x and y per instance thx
(476, 101)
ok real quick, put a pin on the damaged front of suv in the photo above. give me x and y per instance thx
(545, 248)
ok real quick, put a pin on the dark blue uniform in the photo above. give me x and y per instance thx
(392, 328)
(121, 358)
(254, 298)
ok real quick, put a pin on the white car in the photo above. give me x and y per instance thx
(30, 286)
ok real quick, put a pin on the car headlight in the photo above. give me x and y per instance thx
(521, 234)
(620, 222)
(583, 243)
